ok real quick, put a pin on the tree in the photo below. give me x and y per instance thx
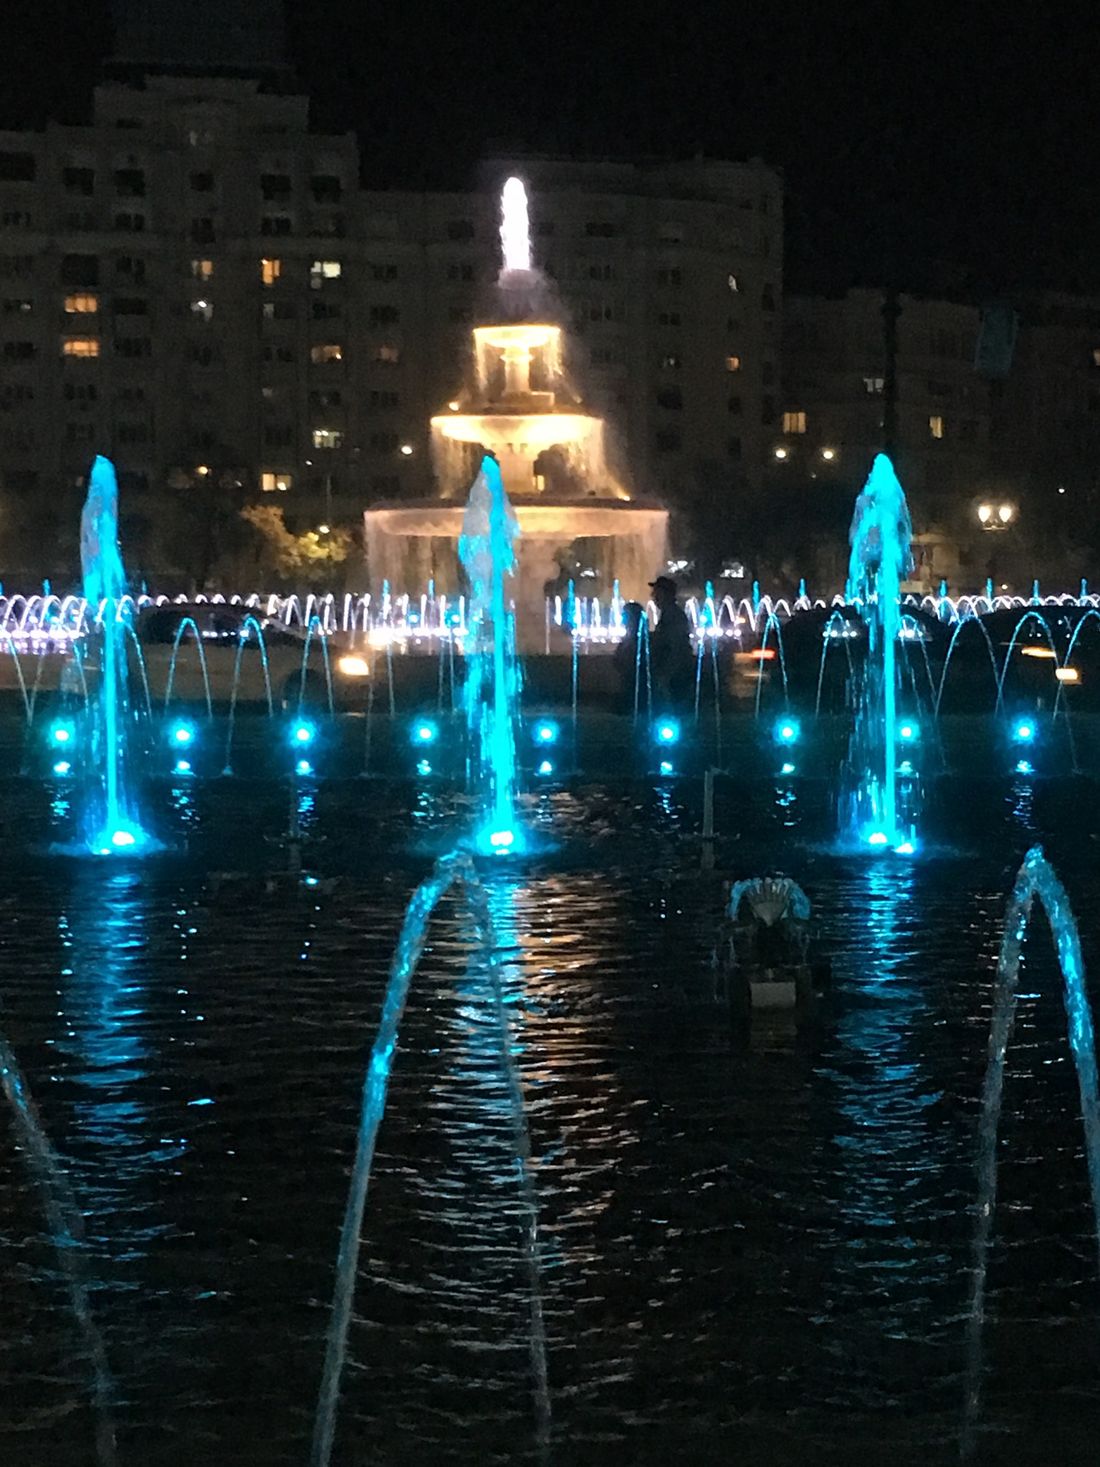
(312, 558)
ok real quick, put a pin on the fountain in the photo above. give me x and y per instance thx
(487, 549)
(111, 824)
(880, 535)
(520, 408)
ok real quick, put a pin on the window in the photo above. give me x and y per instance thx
(15, 219)
(605, 356)
(79, 432)
(21, 481)
(275, 185)
(133, 346)
(672, 361)
(330, 397)
(733, 448)
(733, 283)
(383, 442)
(78, 180)
(601, 272)
(130, 223)
(279, 310)
(278, 435)
(82, 392)
(279, 352)
(202, 269)
(276, 224)
(384, 315)
(130, 183)
(13, 394)
(80, 346)
(16, 167)
(668, 318)
(202, 183)
(601, 229)
(671, 234)
(767, 411)
(327, 311)
(18, 265)
(733, 405)
(202, 309)
(669, 275)
(384, 399)
(326, 188)
(460, 229)
(733, 364)
(385, 484)
(79, 270)
(322, 270)
(935, 425)
(387, 355)
(460, 272)
(202, 230)
(875, 386)
(327, 438)
(131, 433)
(203, 355)
(670, 397)
(767, 373)
(126, 305)
(270, 271)
(18, 307)
(669, 440)
(544, 227)
(329, 352)
(767, 298)
(131, 392)
(460, 315)
(794, 422)
(274, 482)
(131, 268)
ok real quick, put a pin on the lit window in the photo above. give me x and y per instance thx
(391, 355)
(272, 482)
(81, 305)
(327, 438)
(203, 308)
(322, 270)
(270, 270)
(935, 425)
(671, 360)
(733, 364)
(794, 422)
(80, 346)
(1096, 356)
(202, 269)
(875, 385)
(329, 352)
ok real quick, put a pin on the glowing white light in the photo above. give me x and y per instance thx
(781, 453)
(828, 454)
(666, 767)
(515, 238)
(787, 768)
(1067, 674)
(985, 513)
(546, 767)
(352, 666)
(406, 449)
(906, 848)
(122, 838)
(62, 767)
(1023, 766)
(878, 838)
(1005, 513)
(500, 840)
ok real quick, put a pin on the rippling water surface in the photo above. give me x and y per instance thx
(757, 1248)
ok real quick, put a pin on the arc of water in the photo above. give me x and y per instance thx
(448, 870)
(773, 621)
(1036, 878)
(186, 623)
(242, 638)
(66, 1226)
(316, 624)
(959, 629)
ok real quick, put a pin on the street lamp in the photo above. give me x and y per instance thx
(995, 516)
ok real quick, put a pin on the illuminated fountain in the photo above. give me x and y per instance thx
(880, 536)
(111, 825)
(520, 409)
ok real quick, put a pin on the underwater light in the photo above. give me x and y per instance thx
(546, 732)
(907, 848)
(667, 731)
(304, 733)
(878, 838)
(303, 766)
(787, 731)
(423, 767)
(425, 732)
(61, 733)
(666, 766)
(905, 767)
(546, 767)
(501, 840)
(909, 731)
(123, 838)
(1024, 732)
(62, 767)
(182, 734)
(183, 766)
(1024, 766)
(787, 768)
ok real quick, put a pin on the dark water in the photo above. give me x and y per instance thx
(756, 1249)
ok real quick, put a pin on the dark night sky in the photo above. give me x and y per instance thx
(960, 147)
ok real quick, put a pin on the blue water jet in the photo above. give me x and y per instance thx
(111, 823)
(487, 549)
(880, 559)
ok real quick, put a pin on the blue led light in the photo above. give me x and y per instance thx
(1024, 766)
(908, 731)
(303, 766)
(122, 838)
(423, 767)
(878, 838)
(1024, 731)
(61, 734)
(546, 767)
(425, 732)
(182, 734)
(501, 840)
(667, 731)
(787, 731)
(62, 767)
(665, 766)
(183, 766)
(787, 768)
(907, 848)
(304, 733)
(905, 767)
(546, 732)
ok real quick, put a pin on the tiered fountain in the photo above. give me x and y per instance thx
(520, 409)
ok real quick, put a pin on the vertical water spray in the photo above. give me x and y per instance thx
(488, 553)
(880, 558)
(515, 233)
(111, 824)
